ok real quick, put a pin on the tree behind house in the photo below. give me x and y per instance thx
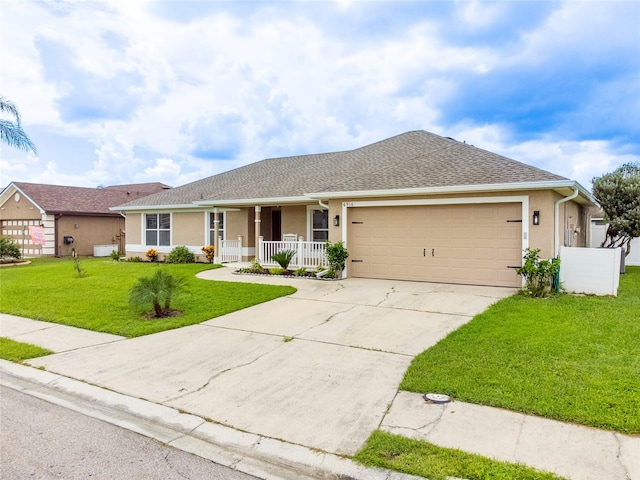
(618, 193)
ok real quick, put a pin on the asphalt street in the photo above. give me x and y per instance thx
(46, 441)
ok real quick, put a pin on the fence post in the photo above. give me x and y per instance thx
(240, 248)
(259, 253)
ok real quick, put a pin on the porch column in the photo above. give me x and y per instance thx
(257, 220)
(217, 253)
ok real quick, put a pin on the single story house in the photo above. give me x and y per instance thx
(416, 206)
(58, 220)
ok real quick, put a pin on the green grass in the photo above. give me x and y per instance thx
(569, 358)
(417, 457)
(50, 290)
(18, 351)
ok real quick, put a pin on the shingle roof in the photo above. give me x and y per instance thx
(415, 159)
(79, 200)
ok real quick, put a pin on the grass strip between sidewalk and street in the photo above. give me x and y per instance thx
(19, 351)
(50, 290)
(417, 457)
(569, 358)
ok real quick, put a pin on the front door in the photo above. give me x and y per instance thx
(276, 225)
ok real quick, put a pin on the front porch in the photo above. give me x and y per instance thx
(308, 254)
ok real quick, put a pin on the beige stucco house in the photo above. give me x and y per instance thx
(416, 206)
(69, 219)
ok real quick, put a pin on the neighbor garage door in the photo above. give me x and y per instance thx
(477, 244)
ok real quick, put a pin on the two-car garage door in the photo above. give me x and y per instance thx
(479, 244)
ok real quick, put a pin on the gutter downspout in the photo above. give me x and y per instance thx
(324, 205)
(556, 214)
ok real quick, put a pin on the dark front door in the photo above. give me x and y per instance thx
(276, 225)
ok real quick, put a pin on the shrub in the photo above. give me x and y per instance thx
(538, 274)
(336, 256)
(115, 255)
(283, 258)
(9, 250)
(254, 268)
(157, 290)
(209, 252)
(276, 271)
(180, 255)
(134, 259)
(152, 254)
(301, 272)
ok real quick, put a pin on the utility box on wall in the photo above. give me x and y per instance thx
(592, 271)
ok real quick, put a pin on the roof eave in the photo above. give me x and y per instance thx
(255, 201)
(136, 208)
(491, 187)
(7, 193)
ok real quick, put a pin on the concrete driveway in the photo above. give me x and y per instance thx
(318, 368)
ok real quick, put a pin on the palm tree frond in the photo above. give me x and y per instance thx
(8, 106)
(12, 134)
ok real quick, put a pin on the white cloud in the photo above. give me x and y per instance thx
(283, 81)
(575, 160)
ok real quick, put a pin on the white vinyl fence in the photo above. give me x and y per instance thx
(231, 250)
(308, 254)
(598, 233)
(594, 271)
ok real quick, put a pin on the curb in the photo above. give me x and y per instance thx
(263, 457)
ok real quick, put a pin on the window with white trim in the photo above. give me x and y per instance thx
(158, 229)
(319, 225)
(220, 227)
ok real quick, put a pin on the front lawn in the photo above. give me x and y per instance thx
(19, 351)
(416, 457)
(570, 358)
(50, 290)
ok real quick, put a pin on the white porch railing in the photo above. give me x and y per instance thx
(231, 250)
(308, 254)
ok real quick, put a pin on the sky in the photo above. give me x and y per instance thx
(115, 92)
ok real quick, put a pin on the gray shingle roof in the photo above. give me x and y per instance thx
(415, 159)
(80, 200)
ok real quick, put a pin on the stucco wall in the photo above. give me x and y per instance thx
(134, 228)
(335, 233)
(23, 209)
(541, 235)
(87, 232)
(237, 224)
(188, 228)
(294, 220)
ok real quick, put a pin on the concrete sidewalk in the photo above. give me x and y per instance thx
(332, 382)
(263, 457)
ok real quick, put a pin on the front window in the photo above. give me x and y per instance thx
(158, 229)
(320, 226)
(220, 227)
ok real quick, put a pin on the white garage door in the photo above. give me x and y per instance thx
(477, 244)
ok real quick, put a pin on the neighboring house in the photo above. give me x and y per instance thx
(67, 219)
(599, 231)
(416, 206)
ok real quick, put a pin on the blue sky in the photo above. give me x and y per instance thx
(141, 91)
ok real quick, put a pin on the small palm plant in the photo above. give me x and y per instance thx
(157, 290)
(283, 258)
